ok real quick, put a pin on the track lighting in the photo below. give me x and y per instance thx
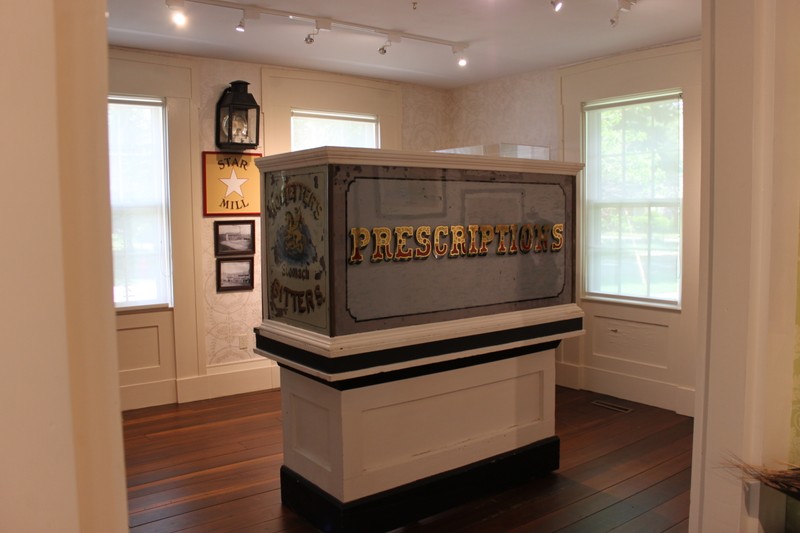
(247, 14)
(320, 24)
(391, 37)
(557, 5)
(623, 6)
(458, 49)
(178, 16)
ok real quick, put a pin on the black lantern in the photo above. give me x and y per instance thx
(238, 118)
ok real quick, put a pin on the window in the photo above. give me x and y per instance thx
(139, 202)
(633, 194)
(311, 129)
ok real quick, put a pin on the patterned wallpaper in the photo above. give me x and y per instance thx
(229, 316)
(520, 109)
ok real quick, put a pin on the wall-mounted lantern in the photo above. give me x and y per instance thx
(238, 118)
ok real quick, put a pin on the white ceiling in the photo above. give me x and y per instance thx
(504, 37)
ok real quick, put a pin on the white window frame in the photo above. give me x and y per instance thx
(669, 94)
(166, 245)
(334, 115)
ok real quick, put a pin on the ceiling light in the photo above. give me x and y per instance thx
(615, 19)
(382, 49)
(240, 27)
(178, 16)
(557, 5)
(459, 48)
(310, 37)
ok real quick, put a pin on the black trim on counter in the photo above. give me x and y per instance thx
(412, 351)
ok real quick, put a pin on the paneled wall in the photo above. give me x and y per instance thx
(641, 352)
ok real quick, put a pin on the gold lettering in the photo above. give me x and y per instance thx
(487, 236)
(558, 237)
(473, 240)
(512, 248)
(525, 238)
(439, 248)
(401, 233)
(502, 231)
(458, 241)
(360, 239)
(423, 238)
(382, 237)
(542, 233)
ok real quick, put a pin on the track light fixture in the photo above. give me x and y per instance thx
(319, 24)
(458, 49)
(240, 27)
(178, 16)
(557, 5)
(391, 37)
(623, 6)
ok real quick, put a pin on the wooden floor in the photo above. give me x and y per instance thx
(213, 466)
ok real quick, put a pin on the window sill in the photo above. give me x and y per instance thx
(134, 309)
(650, 304)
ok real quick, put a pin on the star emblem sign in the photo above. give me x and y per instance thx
(234, 184)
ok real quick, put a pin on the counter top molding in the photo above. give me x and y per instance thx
(397, 158)
(565, 322)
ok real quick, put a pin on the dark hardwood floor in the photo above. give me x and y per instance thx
(213, 465)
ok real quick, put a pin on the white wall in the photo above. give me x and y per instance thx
(642, 353)
(61, 452)
(750, 141)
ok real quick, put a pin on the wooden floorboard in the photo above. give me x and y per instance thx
(213, 466)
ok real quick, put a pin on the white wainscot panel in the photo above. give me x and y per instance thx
(146, 350)
(138, 348)
(629, 346)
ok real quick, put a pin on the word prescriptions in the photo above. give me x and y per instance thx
(406, 243)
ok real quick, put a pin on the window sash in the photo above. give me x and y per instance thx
(311, 129)
(139, 190)
(633, 194)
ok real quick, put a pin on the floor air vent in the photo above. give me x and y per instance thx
(612, 406)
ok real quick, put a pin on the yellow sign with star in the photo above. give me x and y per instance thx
(231, 184)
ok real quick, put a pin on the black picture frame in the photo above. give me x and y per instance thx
(234, 237)
(234, 274)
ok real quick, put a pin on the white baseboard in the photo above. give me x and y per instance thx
(569, 375)
(228, 380)
(684, 401)
(147, 394)
(636, 389)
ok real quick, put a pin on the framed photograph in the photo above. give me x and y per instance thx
(231, 184)
(235, 274)
(234, 237)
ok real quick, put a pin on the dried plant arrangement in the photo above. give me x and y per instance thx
(785, 480)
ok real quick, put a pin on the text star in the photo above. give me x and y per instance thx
(234, 184)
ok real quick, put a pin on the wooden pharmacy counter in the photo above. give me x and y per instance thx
(414, 303)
